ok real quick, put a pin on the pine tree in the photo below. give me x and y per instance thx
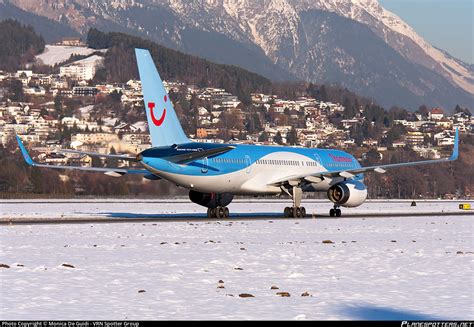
(278, 138)
(292, 137)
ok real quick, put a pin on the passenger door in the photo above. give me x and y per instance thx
(204, 167)
(248, 163)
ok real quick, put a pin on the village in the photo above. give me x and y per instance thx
(268, 119)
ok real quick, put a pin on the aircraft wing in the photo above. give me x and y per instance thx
(111, 171)
(351, 173)
(193, 156)
(95, 154)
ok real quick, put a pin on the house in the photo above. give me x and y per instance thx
(70, 121)
(24, 76)
(436, 114)
(202, 133)
(55, 158)
(414, 138)
(399, 144)
(50, 121)
(444, 138)
(34, 90)
(370, 142)
(444, 123)
(94, 138)
(84, 90)
(348, 123)
(71, 41)
(125, 128)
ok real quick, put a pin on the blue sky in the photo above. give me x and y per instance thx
(446, 24)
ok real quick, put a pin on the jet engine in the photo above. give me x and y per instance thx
(211, 200)
(348, 194)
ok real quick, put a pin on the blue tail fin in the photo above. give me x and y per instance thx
(163, 123)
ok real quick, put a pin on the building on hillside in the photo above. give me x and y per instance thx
(71, 41)
(34, 90)
(84, 91)
(202, 133)
(444, 138)
(94, 138)
(444, 123)
(82, 70)
(414, 138)
(436, 114)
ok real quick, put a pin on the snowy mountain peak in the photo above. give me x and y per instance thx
(272, 24)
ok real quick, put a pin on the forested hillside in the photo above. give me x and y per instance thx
(18, 44)
(173, 65)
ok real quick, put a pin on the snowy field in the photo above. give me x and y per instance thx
(412, 268)
(56, 54)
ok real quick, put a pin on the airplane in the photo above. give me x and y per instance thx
(215, 173)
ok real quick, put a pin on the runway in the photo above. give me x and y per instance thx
(82, 211)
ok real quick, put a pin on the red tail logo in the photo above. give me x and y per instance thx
(157, 122)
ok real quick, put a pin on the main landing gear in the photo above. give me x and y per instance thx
(296, 211)
(218, 212)
(335, 211)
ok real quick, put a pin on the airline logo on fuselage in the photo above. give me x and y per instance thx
(340, 158)
(151, 106)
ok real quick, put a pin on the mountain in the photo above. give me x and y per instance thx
(355, 43)
(50, 30)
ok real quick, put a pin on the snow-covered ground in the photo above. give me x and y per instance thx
(121, 208)
(413, 268)
(56, 54)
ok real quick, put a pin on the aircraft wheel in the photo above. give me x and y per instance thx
(303, 212)
(226, 212)
(220, 212)
(338, 212)
(293, 212)
(287, 212)
(332, 212)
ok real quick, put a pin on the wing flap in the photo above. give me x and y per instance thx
(95, 154)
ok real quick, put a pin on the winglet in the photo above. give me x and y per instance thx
(25, 154)
(455, 153)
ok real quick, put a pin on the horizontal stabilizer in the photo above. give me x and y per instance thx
(193, 156)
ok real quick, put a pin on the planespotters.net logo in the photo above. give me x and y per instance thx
(437, 324)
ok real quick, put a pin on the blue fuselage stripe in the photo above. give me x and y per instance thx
(242, 156)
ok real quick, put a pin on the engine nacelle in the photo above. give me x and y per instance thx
(348, 194)
(211, 200)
